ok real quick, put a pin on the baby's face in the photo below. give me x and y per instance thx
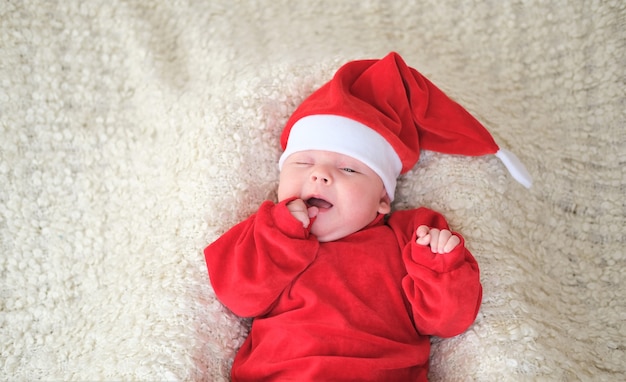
(348, 194)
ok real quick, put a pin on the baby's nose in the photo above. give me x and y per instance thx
(321, 175)
(317, 178)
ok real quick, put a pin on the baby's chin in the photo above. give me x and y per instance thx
(324, 234)
(329, 238)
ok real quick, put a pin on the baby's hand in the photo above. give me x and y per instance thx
(440, 241)
(300, 211)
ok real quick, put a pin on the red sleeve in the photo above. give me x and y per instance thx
(444, 290)
(251, 264)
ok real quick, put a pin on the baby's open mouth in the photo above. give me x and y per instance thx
(319, 203)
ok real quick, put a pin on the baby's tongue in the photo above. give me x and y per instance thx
(319, 203)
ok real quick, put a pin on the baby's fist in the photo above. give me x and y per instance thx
(301, 211)
(440, 241)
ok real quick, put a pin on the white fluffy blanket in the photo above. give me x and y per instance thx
(135, 132)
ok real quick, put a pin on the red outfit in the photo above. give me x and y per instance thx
(361, 308)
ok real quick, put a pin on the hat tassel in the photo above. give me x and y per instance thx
(515, 166)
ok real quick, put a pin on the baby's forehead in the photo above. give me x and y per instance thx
(325, 155)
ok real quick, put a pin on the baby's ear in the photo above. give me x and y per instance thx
(384, 206)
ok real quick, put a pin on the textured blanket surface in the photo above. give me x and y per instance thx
(133, 133)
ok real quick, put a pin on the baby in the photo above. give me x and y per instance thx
(341, 288)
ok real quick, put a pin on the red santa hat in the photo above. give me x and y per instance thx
(383, 112)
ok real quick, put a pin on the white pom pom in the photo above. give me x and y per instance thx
(515, 167)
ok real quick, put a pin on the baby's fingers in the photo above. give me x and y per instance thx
(451, 244)
(299, 211)
(435, 234)
(422, 231)
(423, 238)
(447, 242)
(440, 241)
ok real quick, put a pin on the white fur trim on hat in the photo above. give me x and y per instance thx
(348, 137)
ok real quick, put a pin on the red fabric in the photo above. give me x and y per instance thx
(402, 105)
(360, 308)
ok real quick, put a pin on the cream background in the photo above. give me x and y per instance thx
(134, 133)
